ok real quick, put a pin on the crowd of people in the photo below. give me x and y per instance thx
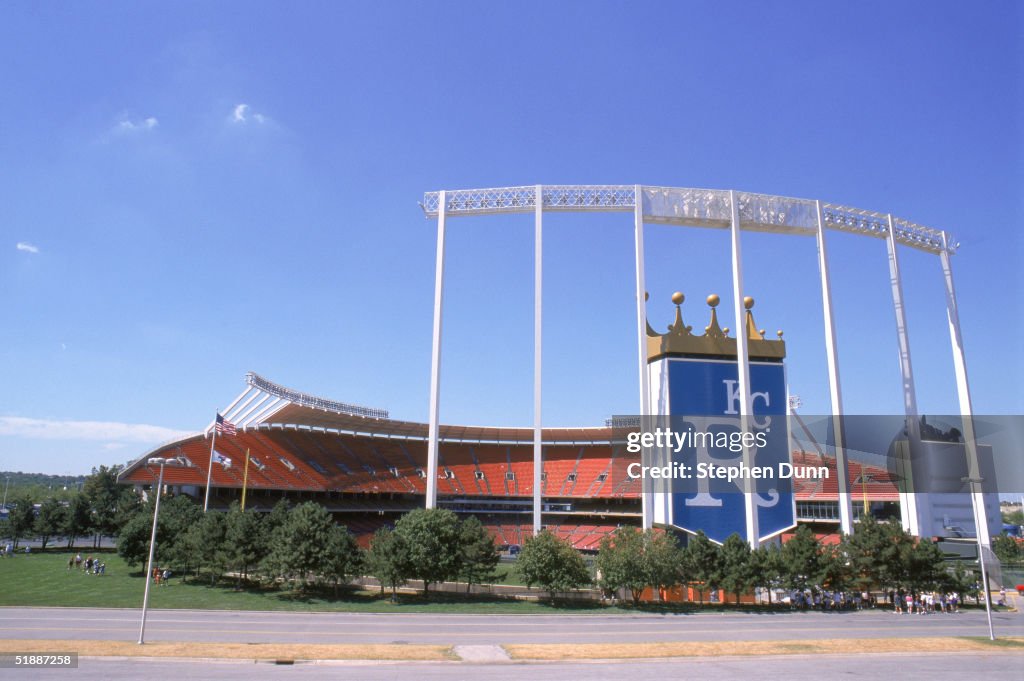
(902, 602)
(924, 603)
(92, 566)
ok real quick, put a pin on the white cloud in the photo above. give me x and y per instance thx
(108, 431)
(126, 126)
(27, 247)
(243, 113)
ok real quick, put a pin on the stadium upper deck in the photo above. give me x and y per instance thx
(301, 443)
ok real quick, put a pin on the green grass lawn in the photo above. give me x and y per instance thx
(42, 579)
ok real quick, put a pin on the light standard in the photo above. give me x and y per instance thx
(981, 553)
(176, 463)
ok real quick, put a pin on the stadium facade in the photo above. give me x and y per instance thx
(368, 468)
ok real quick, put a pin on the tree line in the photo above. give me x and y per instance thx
(879, 557)
(99, 509)
(302, 547)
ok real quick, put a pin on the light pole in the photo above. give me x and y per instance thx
(6, 485)
(981, 554)
(176, 463)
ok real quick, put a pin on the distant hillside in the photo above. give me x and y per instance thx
(18, 481)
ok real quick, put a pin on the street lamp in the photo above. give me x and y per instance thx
(174, 463)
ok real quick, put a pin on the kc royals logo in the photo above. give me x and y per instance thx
(704, 398)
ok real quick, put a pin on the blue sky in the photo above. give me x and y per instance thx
(190, 191)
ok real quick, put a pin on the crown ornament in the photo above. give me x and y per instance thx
(680, 341)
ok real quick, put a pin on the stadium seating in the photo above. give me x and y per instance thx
(367, 481)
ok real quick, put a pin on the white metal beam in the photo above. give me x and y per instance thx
(538, 298)
(271, 407)
(743, 370)
(647, 485)
(435, 360)
(684, 206)
(206, 431)
(963, 392)
(241, 418)
(909, 500)
(232, 415)
(834, 389)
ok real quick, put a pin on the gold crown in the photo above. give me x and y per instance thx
(715, 342)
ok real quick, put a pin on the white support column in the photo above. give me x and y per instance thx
(538, 296)
(647, 485)
(743, 369)
(908, 500)
(435, 358)
(963, 392)
(835, 392)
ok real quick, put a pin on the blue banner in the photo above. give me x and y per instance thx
(704, 398)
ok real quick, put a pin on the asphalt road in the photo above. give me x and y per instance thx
(285, 627)
(788, 668)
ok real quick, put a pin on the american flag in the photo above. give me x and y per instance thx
(225, 427)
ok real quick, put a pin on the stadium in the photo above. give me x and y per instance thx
(368, 468)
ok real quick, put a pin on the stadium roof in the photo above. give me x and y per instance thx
(264, 403)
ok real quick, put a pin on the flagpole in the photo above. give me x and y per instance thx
(245, 478)
(864, 489)
(209, 470)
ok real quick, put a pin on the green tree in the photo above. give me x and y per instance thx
(201, 545)
(177, 514)
(302, 546)
(479, 556)
(704, 563)
(244, 543)
(963, 580)
(185, 553)
(870, 552)
(737, 575)
(1006, 548)
(552, 564)
(77, 520)
(20, 517)
(277, 517)
(431, 538)
(663, 559)
(105, 498)
(621, 562)
(128, 504)
(801, 560)
(1013, 517)
(836, 573)
(49, 520)
(133, 540)
(766, 568)
(344, 559)
(925, 568)
(388, 559)
(212, 537)
(895, 555)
